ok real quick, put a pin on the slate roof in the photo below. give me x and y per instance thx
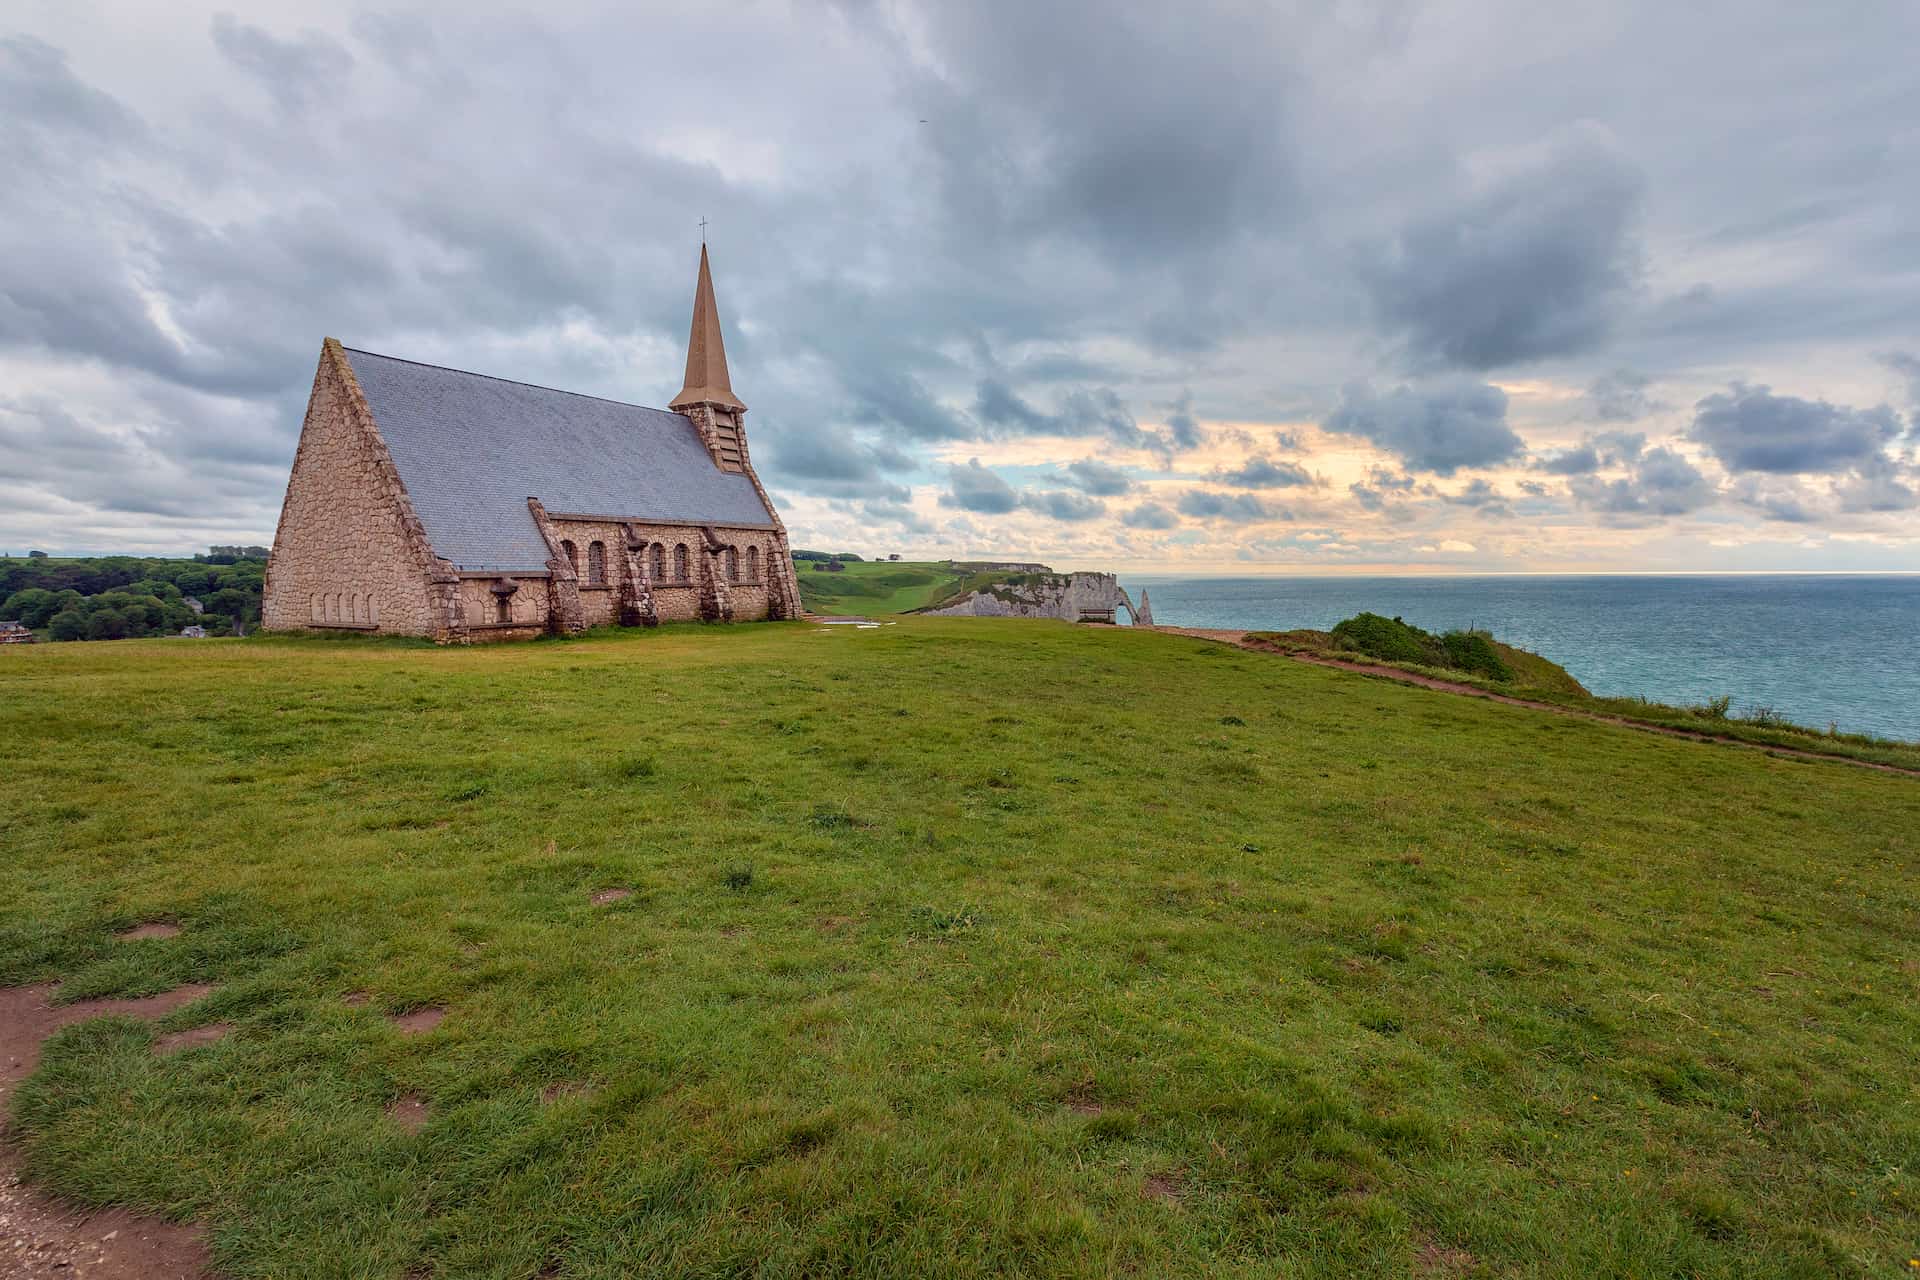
(472, 449)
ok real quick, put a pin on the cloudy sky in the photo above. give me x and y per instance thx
(1328, 287)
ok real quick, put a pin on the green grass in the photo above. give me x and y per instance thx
(955, 948)
(874, 587)
(1532, 676)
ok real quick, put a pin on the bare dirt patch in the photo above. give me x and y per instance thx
(151, 929)
(1165, 1187)
(1434, 1259)
(409, 1112)
(417, 1022)
(604, 896)
(561, 1090)
(354, 999)
(45, 1239)
(175, 1041)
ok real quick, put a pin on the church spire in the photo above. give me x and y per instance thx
(706, 354)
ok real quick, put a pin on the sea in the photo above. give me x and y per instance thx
(1820, 650)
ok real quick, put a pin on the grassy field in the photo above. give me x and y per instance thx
(874, 586)
(954, 948)
(1540, 680)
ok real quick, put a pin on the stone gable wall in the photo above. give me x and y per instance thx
(343, 555)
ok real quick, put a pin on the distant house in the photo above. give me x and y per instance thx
(15, 633)
(195, 632)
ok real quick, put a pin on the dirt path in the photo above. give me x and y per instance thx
(1239, 640)
(42, 1238)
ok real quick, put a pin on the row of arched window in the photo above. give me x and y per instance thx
(344, 606)
(596, 569)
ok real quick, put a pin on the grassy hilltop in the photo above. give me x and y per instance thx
(957, 948)
(873, 587)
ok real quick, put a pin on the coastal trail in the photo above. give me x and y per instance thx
(1241, 640)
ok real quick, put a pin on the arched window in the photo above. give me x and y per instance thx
(659, 561)
(503, 607)
(597, 563)
(733, 564)
(680, 572)
(353, 606)
(573, 555)
(314, 611)
(753, 564)
(373, 611)
(333, 611)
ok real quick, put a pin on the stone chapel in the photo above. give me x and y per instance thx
(430, 502)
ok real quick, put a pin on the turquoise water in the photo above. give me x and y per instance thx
(1818, 650)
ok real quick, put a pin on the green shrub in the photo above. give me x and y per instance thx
(1473, 651)
(1388, 639)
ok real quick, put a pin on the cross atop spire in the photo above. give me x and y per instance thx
(706, 353)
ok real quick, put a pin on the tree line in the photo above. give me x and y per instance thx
(121, 597)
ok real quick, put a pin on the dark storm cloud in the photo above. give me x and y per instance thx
(1149, 515)
(1182, 427)
(1082, 411)
(1659, 483)
(997, 403)
(1608, 449)
(1776, 498)
(1090, 475)
(1233, 508)
(1096, 411)
(1261, 472)
(1383, 491)
(833, 464)
(974, 488)
(43, 101)
(1748, 428)
(1907, 366)
(1482, 497)
(1440, 427)
(1062, 505)
(909, 520)
(296, 72)
(129, 469)
(1539, 260)
(1369, 498)
(1159, 136)
(1621, 396)
(1878, 486)
(901, 403)
(1581, 461)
